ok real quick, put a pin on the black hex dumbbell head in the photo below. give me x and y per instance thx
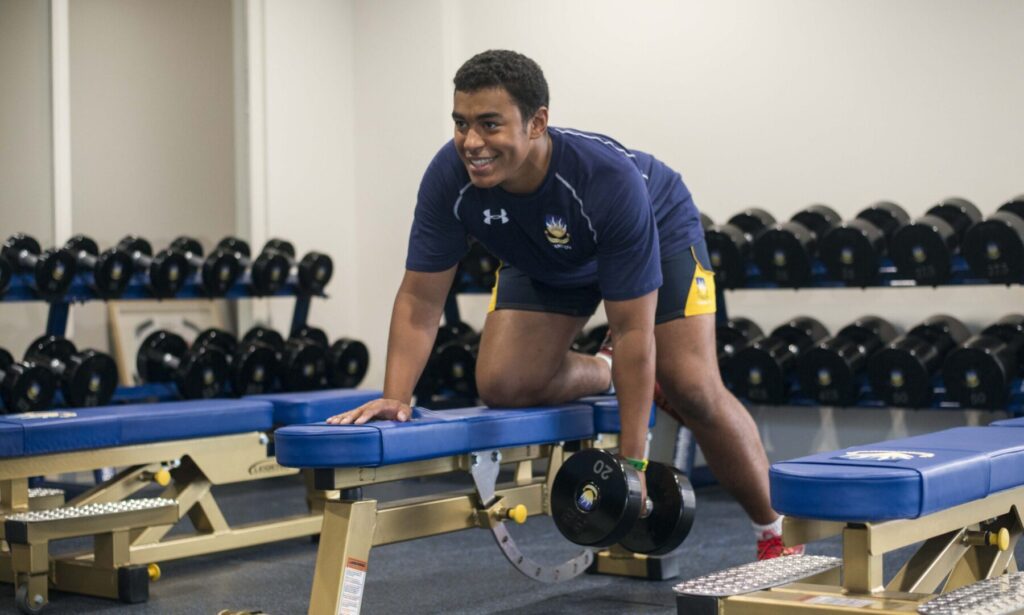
(52, 270)
(784, 253)
(852, 252)
(730, 245)
(994, 247)
(923, 251)
(349, 360)
(978, 374)
(763, 371)
(24, 387)
(830, 371)
(111, 270)
(901, 374)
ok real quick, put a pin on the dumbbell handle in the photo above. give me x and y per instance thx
(164, 358)
(86, 260)
(26, 259)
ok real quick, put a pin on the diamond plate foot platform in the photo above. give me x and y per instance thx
(999, 596)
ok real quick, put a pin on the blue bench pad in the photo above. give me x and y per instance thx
(430, 434)
(314, 406)
(57, 431)
(912, 477)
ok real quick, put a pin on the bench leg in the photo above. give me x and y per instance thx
(341, 560)
(31, 565)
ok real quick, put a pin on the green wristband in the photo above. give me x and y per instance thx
(639, 464)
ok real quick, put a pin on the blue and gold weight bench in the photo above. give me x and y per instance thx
(186, 447)
(958, 492)
(477, 441)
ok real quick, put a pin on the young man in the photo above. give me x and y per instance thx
(575, 218)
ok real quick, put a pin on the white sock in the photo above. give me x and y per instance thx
(775, 527)
(608, 359)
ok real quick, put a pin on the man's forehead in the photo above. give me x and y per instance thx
(484, 102)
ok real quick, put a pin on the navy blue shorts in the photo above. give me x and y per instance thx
(688, 289)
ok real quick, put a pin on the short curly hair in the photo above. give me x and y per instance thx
(521, 77)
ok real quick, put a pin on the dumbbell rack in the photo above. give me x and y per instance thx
(20, 290)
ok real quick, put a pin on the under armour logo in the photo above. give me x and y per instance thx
(488, 217)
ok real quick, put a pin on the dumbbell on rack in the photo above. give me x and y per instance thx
(902, 372)
(165, 273)
(978, 374)
(923, 251)
(24, 387)
(596, 502)
(830, 372)
(199, 372)
(853, 251)
(6, 273)
(431, 381)
(111, 270)
(994, 247)
(52, 270)
(347, 359)
(217, 273)
(268, 272)
(303, 361)
(732, 337)
(456, 365)
(313, 272)
(730, 245)
(480, 265)
(785, 252)
(763, 371)
(86, 378)
(253, 366)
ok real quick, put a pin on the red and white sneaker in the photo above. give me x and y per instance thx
(770, 546)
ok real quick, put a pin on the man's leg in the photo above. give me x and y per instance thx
(524, 360)
(687, 371)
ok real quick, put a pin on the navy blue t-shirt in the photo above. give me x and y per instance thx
(604, 214)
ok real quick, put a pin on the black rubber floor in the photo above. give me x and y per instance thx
(462, 572)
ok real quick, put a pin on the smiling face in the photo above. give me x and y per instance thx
(496, 145)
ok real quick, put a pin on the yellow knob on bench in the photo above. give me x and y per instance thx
(517, 513)
(1000, 539)
(154, 572)
(162, 477)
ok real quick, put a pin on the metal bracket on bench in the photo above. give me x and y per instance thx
(484, 467)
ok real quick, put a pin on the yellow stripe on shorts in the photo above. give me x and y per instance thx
(701, 298)
(494, 291)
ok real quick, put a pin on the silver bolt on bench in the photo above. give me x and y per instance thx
(999, 596)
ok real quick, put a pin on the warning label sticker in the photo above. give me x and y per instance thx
(352, 587)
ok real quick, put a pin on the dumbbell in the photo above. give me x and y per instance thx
(902, 372)
(456, 365)
(217, 273)
(978, 374)
(994, 247)
(923, 251)
(253, 366)
(830, 372)
(853, 251)
(52, 271)
(313, 272)
(165, 273)
(480, 265)
(431, 380)
(347, 359)
(784, 253)
(199, 372)
(763, 371)
(596, 502)
(730, 245)
(111, 270)
(6, 273)
(86, 378)
(268, 272)
(303, 361)
(24, 387)
(732, 337)
(589, 342)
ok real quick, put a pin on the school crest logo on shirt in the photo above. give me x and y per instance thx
(557, 232)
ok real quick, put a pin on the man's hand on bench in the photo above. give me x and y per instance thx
(380, 409)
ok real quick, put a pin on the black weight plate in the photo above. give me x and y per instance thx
(315, 271)
(452, 332)
(255, 369)
(89, 380)
(757, 376)
(269, 273)
(852, 252)
(672, 515)
(456, 364)
(826, 376)
(783, 254)
(149, 361)
(187, 246)
(27, 387)
(752, 220)
(305, 366)
(899, 375)
(112, 273)
(54, 273)
(82, 243)
(167, 273)
(922, 251)
(219, 273)
(6, 273)
(976, 375)
(18, 243)
(6, 360)
(202, 374)
(234, 244)
(595, 499)
(994, 248)
(729, 248)
(49, 347)
(349, 361)
(314, 335)
(217, 338)
(283, 246)
(133, 244)
(266, 335)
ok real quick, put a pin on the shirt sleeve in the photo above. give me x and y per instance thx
(628, 255)
(437, 240)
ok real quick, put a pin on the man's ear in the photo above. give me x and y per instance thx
(539, 123)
